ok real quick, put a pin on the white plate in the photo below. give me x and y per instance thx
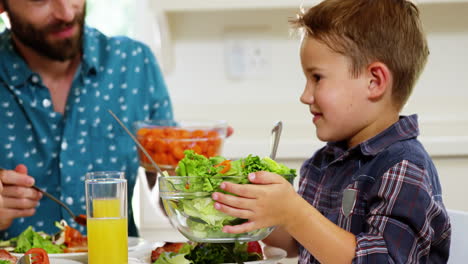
(63, 261)
(134, 243)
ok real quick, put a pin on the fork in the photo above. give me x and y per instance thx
(79, 219)
(33, 258)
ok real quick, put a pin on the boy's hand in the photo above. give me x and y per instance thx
(17, 197)
(267, 202)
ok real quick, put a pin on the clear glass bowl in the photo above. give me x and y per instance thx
(166, 140)
(191, 210)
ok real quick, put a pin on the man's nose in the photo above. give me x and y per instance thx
(63, 10)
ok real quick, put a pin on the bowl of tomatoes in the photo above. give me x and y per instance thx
(166, 140)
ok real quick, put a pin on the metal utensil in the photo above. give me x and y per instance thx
(137, 143)
(33, 258)
(79, 219)
(275, 137)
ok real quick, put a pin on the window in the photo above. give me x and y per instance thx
(112, 17)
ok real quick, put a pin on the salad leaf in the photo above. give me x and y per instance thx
(193, 165)
(172, 258)
(5, 262)
(207, 253)
(30, 239)
(175, 258)
(203, 208)
(206, 174)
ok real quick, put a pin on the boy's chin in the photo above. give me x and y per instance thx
(327, 137)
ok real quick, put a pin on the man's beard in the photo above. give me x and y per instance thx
(36, 38)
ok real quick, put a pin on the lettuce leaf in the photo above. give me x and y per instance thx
(30, 239)
(172, 258)
(206, 176)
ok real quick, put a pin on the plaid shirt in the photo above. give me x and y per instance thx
(386, 192)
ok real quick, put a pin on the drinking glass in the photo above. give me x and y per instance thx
(106, 209)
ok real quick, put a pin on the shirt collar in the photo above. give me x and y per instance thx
(14, 67)
(18, 72)
(90, 61)
(405, 128)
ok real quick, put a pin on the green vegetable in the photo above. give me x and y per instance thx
(30, 239)
(5, 262)
(206, 176)
(5, 243)
(175, 258)
(207, 253)
(172, 258)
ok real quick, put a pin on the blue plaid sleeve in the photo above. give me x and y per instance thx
(404, 217)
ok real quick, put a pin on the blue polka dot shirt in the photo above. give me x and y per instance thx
(116, 73)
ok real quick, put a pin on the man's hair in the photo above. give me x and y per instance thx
(365, 31)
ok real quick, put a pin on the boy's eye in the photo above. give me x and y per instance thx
(316, 77)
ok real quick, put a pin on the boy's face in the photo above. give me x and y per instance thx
(52, 28)
(336, 99)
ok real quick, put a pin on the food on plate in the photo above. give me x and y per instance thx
(6, 257)
(38, 256)
(206, 253)
(67, 240)
(188, 195)
(166, 145)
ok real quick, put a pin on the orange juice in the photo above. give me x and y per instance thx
(106, 208)
(107, 236)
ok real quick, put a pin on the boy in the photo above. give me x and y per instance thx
(372, 194)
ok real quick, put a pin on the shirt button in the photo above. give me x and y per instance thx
(35, 79)
(46, 103)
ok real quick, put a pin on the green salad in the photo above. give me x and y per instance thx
(206, 174)
(208, 253)
(31, 239)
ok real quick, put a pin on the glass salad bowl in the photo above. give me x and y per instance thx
(166, 140)
(191, 210)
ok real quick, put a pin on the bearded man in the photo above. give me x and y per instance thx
(58, 79)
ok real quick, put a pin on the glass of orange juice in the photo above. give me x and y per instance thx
(106, 209)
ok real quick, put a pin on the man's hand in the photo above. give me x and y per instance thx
(17, 198)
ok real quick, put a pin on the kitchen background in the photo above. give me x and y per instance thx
(238, 60)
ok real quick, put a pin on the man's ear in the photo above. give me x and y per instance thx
(380, 80)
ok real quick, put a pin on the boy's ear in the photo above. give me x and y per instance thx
(379, 80)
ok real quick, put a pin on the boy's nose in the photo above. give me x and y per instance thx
(63, 10)
(307, 96)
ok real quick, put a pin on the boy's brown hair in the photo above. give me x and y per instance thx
(365, 31)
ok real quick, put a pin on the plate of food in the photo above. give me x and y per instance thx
(67, 244)
(227, 253)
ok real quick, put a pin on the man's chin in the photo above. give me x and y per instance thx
(63, 50)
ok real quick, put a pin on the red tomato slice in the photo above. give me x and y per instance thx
(254, 247)
(39, 256)
(74, 239)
